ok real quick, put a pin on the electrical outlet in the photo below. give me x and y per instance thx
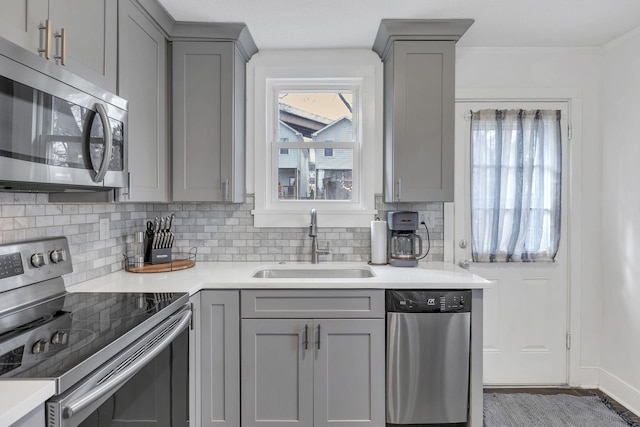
(104, 229)
(430, 219)
(422, 218)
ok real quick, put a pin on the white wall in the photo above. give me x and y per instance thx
(621, 220)
(559, 73)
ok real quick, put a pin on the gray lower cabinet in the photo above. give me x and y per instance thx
(35, 418)
(218, 376)
(311, 372)
(142, 71)
(91, 34)
(208, 121)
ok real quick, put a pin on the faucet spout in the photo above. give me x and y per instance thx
(313, 228)
(313, 233)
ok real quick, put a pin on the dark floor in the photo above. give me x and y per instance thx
(567, 390)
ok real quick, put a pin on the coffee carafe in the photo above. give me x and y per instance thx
(402, 238)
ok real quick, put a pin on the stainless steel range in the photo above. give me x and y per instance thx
(95, 346)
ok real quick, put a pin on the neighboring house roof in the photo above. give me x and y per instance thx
(330, 125)
(299, 134)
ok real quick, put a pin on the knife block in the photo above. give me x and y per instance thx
(158, 255)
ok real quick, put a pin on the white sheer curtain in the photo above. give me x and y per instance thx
(516, 161)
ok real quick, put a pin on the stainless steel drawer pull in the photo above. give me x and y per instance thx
(62, 46)
(45, 40)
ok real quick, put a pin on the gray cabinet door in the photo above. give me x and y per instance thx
(142, 69)
(219, 376)
(349, 373)
(19, 22)
(419, 114)
(277, 372)
(208, 122)
(91, 38)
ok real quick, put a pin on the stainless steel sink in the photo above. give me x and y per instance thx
(314, 273)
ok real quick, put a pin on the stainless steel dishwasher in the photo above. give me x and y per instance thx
(428, 336)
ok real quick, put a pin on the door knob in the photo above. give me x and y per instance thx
(464, 264)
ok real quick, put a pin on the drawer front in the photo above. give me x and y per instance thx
(317, 304)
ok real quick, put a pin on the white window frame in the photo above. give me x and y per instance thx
(357, 71)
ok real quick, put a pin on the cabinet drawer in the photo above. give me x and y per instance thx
(323, 303)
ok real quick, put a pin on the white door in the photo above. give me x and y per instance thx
(525, 308)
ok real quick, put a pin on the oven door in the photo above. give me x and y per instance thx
(145, 385)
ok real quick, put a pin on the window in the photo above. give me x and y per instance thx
(313, 123)
(516, 161)
(316, 137)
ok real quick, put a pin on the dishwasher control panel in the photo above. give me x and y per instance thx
(431, 301)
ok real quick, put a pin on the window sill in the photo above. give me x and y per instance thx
(326, 218)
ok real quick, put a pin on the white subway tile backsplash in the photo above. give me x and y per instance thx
(220, 232)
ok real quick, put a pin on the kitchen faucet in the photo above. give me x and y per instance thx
(313, 233)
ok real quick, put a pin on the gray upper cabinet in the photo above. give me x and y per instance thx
(209, 121)
(90, 34)
(20, 19)
(91, 38)
(419, 97)
(142, 80)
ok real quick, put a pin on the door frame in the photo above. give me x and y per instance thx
(573, 98)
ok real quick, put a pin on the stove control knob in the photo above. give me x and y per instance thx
(41, 346)
(38, 260)
(56, 256)
(58, 338)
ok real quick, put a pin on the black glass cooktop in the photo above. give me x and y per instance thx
(56, 336)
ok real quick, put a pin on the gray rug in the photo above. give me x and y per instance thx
(560, 410)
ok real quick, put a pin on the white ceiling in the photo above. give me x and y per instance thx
(305, 24)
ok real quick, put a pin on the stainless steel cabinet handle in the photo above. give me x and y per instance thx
(306, 337)
(46, 40)
(399, 194)
(108, 143)
(62, 42)
(128, 372)
(225, 190)
(318, 342)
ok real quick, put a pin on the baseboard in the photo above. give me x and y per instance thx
(620, 390)
(589, 378)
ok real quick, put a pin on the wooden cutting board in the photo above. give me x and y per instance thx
(180, 264)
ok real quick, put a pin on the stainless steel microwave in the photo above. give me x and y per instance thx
(58, 132)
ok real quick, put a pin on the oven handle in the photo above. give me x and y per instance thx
(117, 380)
(108, 143)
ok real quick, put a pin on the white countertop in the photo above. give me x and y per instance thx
(238, 275)
(19, 397)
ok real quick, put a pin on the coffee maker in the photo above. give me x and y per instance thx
(402, 238)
